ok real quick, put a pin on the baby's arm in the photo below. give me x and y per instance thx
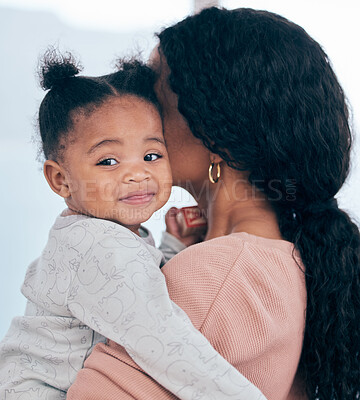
(170, 246)
(127, 301)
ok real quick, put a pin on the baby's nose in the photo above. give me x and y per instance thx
(136, 174)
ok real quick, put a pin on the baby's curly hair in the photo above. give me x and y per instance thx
(261, 93)
(69, 94)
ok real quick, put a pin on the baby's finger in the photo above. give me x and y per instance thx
(172, 212)
(170, 220)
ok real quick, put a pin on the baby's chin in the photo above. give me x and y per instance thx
(131, 218)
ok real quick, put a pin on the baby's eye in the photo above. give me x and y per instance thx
(152, 157)
(107, 161)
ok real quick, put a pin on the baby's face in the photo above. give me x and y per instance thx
(116, 162)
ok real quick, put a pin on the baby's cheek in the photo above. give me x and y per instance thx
(165, 190)
(85, 190)
(108, 191)
(166, 182)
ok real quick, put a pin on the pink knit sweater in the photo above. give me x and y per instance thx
(246, 294)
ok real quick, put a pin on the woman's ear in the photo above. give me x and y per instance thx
(215, 158)
(56, 178)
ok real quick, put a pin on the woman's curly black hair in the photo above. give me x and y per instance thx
(69, 94)
(261, 93)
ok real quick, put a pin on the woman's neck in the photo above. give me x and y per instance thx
(233, 205)
(253, 218)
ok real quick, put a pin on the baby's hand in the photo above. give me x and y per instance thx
(179, 223)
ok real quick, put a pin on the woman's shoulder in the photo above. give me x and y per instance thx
(244, 250)
(203, 263)
(237, 266)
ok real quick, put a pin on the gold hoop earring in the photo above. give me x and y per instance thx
(212, 180)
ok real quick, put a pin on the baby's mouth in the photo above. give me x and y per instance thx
(138, 198)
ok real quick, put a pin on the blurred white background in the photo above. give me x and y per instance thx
(97, 32)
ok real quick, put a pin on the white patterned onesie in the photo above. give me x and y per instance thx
(94, 280)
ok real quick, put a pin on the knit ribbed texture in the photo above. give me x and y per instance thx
(246, 294)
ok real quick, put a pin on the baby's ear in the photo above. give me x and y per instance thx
(56, 178)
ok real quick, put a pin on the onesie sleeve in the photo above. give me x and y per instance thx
(119, 291)
(170, 246)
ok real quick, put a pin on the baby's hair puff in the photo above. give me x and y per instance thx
(69, 94)
(56, 68)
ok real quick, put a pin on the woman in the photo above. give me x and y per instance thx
(257, 130)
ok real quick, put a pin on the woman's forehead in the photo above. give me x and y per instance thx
(157, 62)
(154, 61)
